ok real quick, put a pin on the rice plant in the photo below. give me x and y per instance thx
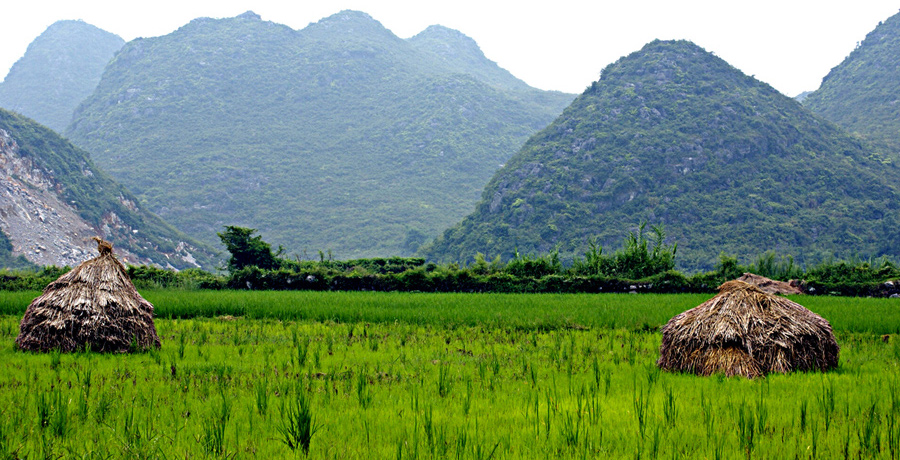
(214, 426)
(746, 425)
(297, 425)
(363, 392)
(669, 410)
(261, 391)
(445, 380)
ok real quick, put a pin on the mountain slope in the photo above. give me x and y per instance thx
(862, 94)
(340, 136)
(60, 68)
(673, 135)
(54, 199)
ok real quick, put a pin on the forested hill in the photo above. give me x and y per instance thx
(54, 199)
(60, 68)
(340, 136)
(673, 135)
(862, 94)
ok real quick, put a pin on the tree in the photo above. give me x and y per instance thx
(247, 250)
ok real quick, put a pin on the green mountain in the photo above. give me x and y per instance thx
(54, 199)
(60, 68)
(673, 135)
(862, 94)
(340, 136)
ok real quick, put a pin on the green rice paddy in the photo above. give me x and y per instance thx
(393, 375)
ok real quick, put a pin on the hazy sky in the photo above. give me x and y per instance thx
(555, 44)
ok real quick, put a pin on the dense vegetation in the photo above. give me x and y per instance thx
(674, 135)
(59, 70)
(643, 264)
(861, 94)
(339, 136)
(97, 197)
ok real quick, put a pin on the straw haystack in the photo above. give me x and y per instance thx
(94, 305)
(745, 331)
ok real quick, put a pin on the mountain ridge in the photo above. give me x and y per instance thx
(862, 93)
(321, 138)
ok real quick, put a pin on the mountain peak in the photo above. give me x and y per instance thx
(673, 135)
(663, 62)
(350, 24)
(249, 15)
(448, 41)
(459, 51)
(60, 68)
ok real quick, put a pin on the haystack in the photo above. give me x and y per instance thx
(94, 305)
(745, 331)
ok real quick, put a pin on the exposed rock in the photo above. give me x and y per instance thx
(40, 225)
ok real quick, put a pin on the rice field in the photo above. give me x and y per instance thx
(474, 376)
(518, 311)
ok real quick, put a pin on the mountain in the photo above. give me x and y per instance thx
(340, 136)
(457, 51)
(60, 68)
(54, 199)
(862, 93)
(673, 135)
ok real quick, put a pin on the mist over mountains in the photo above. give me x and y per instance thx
(61, 67)
(343, 137)
(340, 136)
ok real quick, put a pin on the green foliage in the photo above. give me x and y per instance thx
(247, 250)
(672, 134)
(340, 135)
(533, 267)
(860, 93)
(59, 70)
(636, 260)
(859, 271)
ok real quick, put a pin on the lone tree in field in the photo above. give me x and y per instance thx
(247, 250)
(94, 306)
(745, 331)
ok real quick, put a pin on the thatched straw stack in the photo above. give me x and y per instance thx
(745, 331)
(94, 305)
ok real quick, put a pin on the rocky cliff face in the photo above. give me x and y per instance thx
(48, 231)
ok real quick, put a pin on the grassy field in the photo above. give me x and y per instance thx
(381, 375)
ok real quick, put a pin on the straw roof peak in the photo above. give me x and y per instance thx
(103, 247)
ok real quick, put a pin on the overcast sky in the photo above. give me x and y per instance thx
(556, 44)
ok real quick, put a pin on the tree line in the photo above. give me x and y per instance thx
(644, 263)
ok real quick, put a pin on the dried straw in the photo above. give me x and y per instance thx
(94, 306)
(745, 331)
